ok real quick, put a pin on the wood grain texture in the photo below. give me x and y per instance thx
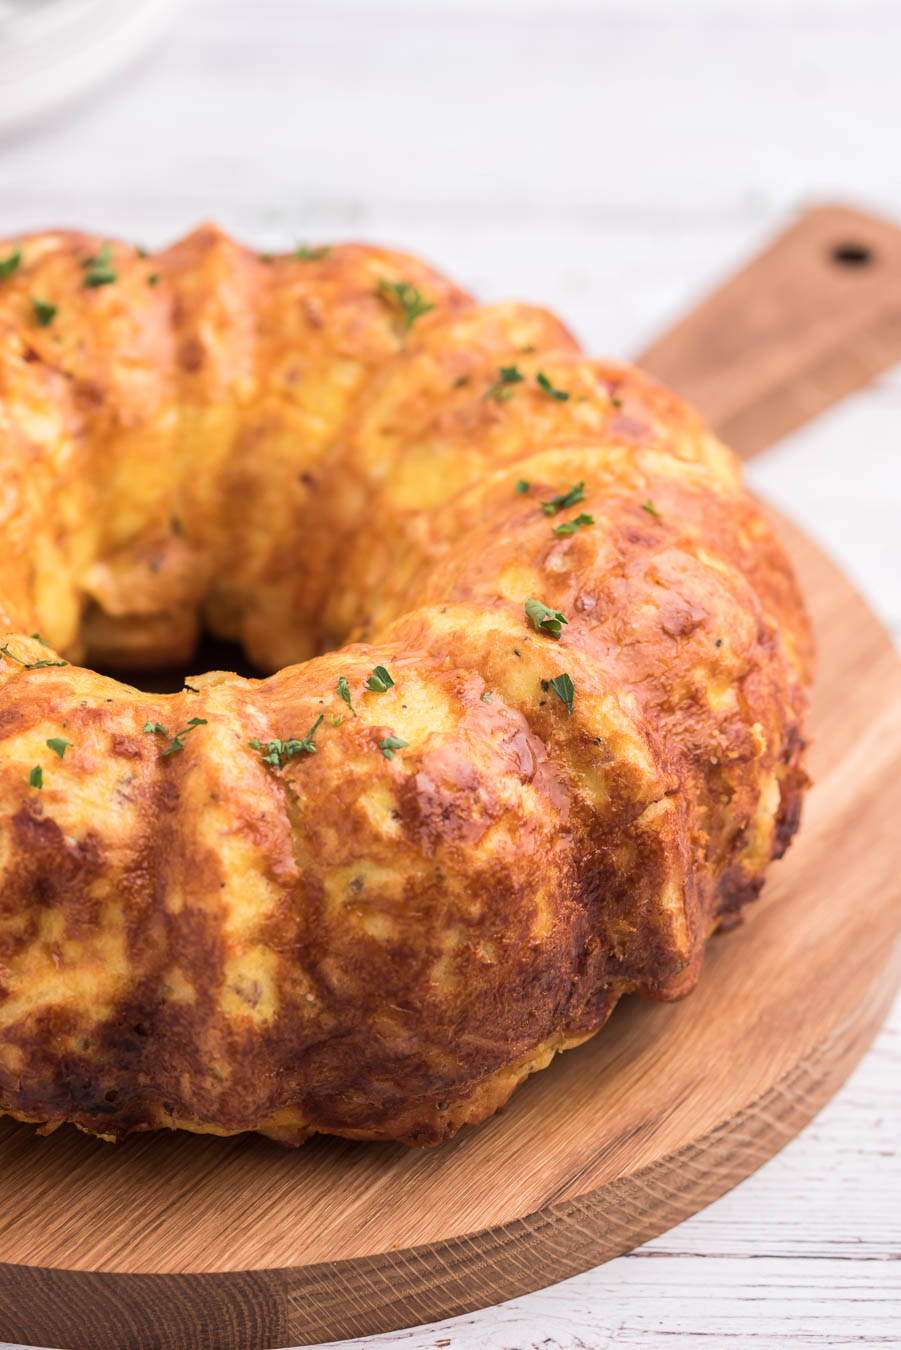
(236, 1243)
(813, 318)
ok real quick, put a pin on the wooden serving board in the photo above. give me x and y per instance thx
(183, 1243)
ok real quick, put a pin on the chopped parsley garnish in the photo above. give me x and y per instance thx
(141, 251)
(305, 254)
(390, 744)
(651, 509)
(337, 720)
(30, 665)
(44, 313)
(266, 257)
(10, 264)
(486, 696)
(410, 299)
(507, 376)
(278, 752)
(522, 486)
(58, 745)
(544, 384)
(460, 381)
(616, 401)
(546, 620)
(344, 692)
(379, 681)
(570, 526)
(97, 269)
(36, 777)
(565, 690)
(153, 278)
(37, 637)
(178, 740)
(100, 276)
(564, 500)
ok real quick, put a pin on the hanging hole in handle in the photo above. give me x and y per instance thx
(851, 254)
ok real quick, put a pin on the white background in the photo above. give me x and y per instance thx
(612, 160)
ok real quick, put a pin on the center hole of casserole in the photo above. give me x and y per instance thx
(211, 654)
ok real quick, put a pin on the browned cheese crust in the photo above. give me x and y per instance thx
(351, 934)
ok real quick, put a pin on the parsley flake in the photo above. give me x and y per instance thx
(390, 744)
(58, 745)
(178, 740)
(651, 509)
(344, 692)
(410, 299)
(379, 681)
(305, 254)
(564, 500)
(10, 264)
(30, 665)
(36, 777)
(506, 377)
(153, 278)
(44, 313)
(570, 526)
(278, 752)
(546, 620)
(545, 385)
(97, 269)
(565, 690)
(522, 486)
(100, 276)
(486, 696)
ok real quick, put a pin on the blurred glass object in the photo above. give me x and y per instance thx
(54, 52)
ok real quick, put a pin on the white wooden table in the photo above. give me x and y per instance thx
(612, 160)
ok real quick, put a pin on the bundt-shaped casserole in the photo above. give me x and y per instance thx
(371, 893)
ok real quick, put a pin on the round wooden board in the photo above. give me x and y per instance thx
(237, 1244)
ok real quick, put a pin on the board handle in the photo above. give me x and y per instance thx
(811, 319)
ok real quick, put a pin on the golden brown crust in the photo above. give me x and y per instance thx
(380, 930)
